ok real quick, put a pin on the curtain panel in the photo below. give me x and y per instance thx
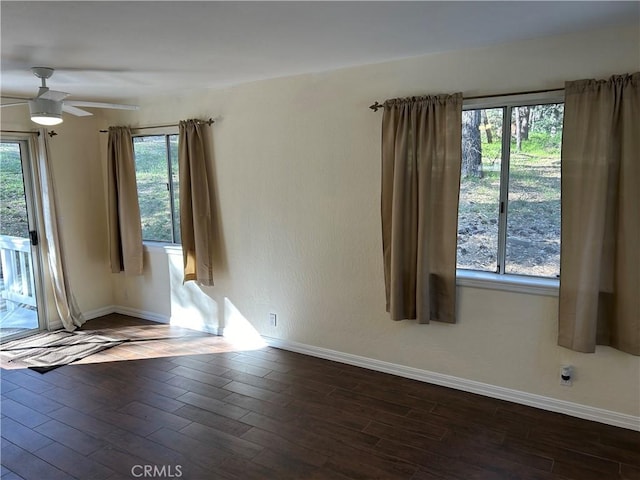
(51, 244)
(196, 225)
(600, 253)
(421, 161)
(125, 230)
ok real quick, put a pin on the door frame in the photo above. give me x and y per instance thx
(33, 203)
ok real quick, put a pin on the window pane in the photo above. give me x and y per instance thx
(153, 190)
(480, 189)
(533, 219)
(173, 150)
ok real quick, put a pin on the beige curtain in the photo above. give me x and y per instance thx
(51, 243)
(125, 231)
(600, 256)
(421, 159)
(196, 227)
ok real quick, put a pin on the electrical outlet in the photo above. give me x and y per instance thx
(273, 319)
(566, 375)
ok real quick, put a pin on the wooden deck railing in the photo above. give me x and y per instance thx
(17, 285)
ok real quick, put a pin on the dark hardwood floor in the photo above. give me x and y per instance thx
(200, 408)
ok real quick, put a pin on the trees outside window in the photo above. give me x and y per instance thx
(509, 212)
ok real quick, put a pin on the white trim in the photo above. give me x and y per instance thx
(99, 312)
(160, 131)
(160, 247)
(151, 316)
(202, 327)
(538, 401)
(517, 100)
(143, 314)
(132, 312)
(508, 283)
(88, 315)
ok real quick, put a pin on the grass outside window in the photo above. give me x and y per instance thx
(156, 159)
(509, 210)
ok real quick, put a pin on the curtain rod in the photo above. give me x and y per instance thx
(377, 106)
(202, 122)
(52, 133)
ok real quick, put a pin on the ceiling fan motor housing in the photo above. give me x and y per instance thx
(43, 108)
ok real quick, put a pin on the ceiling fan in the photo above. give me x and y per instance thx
(47, 106)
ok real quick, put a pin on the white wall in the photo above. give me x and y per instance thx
(297, 164)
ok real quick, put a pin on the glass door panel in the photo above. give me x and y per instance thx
(18, 241)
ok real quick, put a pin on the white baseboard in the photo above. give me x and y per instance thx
(87, 315)
(143, 314)
(99, 312)
(151, 316)
(201, 327)
(538, 401)
(133, 312)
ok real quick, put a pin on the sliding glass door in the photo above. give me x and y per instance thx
(19, 272)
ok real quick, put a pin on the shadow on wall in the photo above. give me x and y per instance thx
(193, 308)
(190, 306)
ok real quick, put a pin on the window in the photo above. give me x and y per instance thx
(158, 189)
(509, 211)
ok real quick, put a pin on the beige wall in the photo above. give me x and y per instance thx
(297, 164)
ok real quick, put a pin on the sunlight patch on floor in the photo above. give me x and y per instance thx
(153, 340)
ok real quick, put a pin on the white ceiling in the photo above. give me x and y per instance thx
(116, 50)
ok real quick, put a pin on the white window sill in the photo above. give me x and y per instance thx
(508, 283)
(161, 247)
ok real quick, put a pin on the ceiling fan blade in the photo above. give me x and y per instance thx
(13, 104)
(78, 112)
(82, 103)
(15, 98)
(54, 95)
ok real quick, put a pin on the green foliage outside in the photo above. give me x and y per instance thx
(533, 229)
(152, 178)
(540, 144)
(153, 190)
(13, 210)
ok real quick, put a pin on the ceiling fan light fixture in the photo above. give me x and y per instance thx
(46, 119)
(45, 112)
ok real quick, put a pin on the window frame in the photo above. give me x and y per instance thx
(500, 280)
(176, 241)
